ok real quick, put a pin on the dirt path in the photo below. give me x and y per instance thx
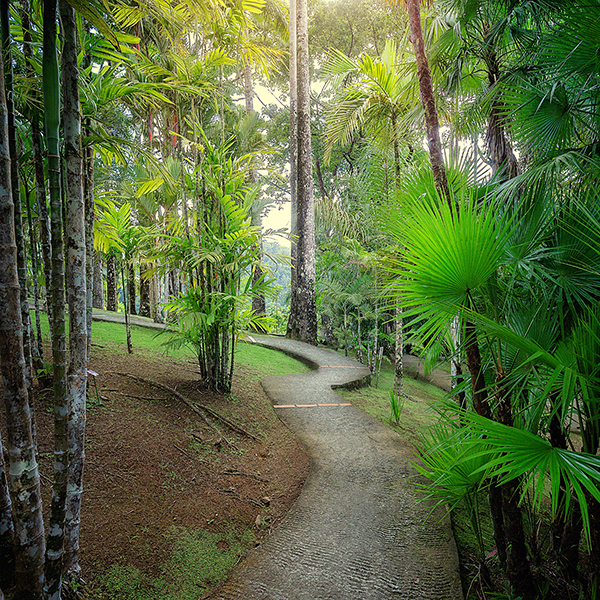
(357, 530)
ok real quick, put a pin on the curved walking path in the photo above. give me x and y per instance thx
(357, 530)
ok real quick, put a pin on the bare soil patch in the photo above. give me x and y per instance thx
(152, 463)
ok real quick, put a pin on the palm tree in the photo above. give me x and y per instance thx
(12, 141)
(376, 100)
(214, 258)
(76, 286)
(115, 233)
(23, 476)
(451, 259)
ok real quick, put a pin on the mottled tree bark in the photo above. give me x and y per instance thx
(24, 481)
(77, 297)
(304, 319)
(54, 551)
(111, 283)
(38, 160)
(90, 257)
(37, 346)
(14, 174)
(51, 86)
(7, 530)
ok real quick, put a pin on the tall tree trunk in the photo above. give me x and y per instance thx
(127, 310)
(77, 296)
(398, 388)
(38, 160)
(293, 68)
(305, 317)
(111, 283)
(517, 564)
(57, 303)
(482, 407)
(98, 296)
(23, 476)
(428, 99)
(7, 529)
(14, 174)
(90, 256)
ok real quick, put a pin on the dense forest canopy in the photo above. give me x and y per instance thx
(441, 161)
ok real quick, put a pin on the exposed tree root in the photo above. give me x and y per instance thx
(227, 422)
(197, 408)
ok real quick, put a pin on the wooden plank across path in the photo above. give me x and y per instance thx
(359, 530)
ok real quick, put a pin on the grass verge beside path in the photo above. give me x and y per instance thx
(417, 413)
(112, 335)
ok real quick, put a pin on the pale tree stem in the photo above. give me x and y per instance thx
(304, 316)
(398, 358)
(76, 288)
(23, 476)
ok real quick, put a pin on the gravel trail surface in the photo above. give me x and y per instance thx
(358, 530)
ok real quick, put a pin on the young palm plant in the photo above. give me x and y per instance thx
(215, 257)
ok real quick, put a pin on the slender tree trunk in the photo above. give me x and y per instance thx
(127, 311)
(455, 363)
(57, 304)
(517, 563)
(111, 283)
(90, 257)
(305, 318)
(258, 299)
(76, 262)
(504, 161)
(98, 296)
(37, 349)
(38, 162)
(428, 99)
(14, 174)
(131, 289)
(144, 293)
(7, 529)
(293, 68)
(23, 478)
(482, 407)
(567, 526)
(322, 189)
(398, 388)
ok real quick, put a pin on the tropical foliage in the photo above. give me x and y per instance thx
(482, 251)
